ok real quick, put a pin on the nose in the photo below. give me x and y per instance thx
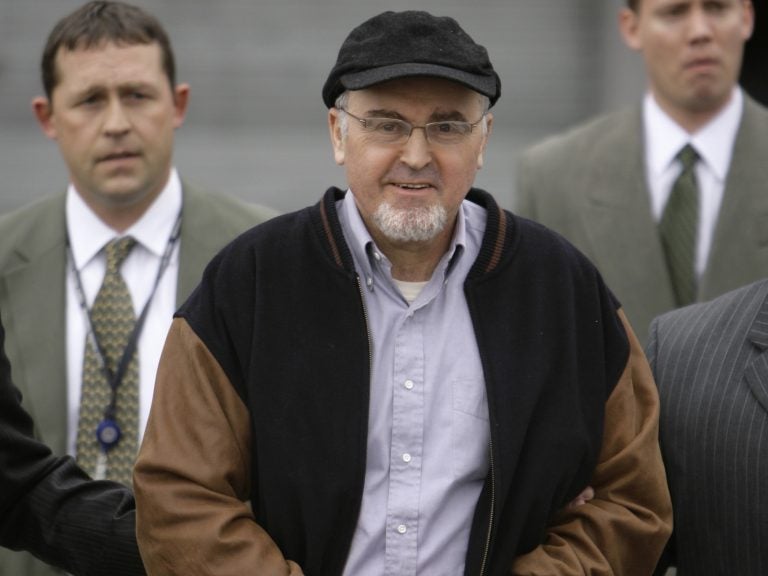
(116, 121)
(416, 151)
(699, 25)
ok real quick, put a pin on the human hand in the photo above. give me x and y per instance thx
(585, 496)
(295, 569)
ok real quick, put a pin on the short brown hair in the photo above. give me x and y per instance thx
(104, 21)
(633, 5)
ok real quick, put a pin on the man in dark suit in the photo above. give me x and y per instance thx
(605, 185)
(50, 507)
(710, 361)
(112, 104)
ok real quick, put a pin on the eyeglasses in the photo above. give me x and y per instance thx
(396, 131)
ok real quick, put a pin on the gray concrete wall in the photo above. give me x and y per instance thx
(257, 125)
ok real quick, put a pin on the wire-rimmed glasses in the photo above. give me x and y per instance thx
(396, 131)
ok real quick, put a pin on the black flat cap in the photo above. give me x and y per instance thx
(411, 43)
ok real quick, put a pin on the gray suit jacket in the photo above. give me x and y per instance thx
(711, 365)
(589, 185)
(32, 299)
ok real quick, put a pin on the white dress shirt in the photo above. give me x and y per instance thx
(87, 237)
(714, 143)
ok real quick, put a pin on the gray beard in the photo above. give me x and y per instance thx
(419, 224)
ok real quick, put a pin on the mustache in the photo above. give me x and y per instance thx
(402, 173)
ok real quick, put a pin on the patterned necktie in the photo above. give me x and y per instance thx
(678, 228)
(112, 319)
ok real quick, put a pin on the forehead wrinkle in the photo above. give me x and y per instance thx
(128, 86)
(437, 115)
(384, 113)
(107, 63)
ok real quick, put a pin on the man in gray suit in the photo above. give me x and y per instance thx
(605, 185)
(710, 362)
(112, 104)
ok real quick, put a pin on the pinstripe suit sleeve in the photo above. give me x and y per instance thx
(51, 508)
(668, 555)
(710, 362)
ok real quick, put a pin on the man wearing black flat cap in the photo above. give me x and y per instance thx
(403, 378)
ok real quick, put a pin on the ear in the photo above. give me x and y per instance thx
(748, 19)
(43, 111)
(488, 130)
(180, 103)
(629, 21)
(337, 136)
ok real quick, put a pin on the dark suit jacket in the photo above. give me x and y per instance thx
(51, 508)
(32, 300)
(589, 185)
(711, 366)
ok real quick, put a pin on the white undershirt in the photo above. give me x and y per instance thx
(88, 235)
(409, 290)
(714, 142)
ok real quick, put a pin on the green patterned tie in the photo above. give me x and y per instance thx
(678, 228)
(112, 319)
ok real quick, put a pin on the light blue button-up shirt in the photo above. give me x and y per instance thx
(428, 431)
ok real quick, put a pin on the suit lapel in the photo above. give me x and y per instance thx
(619, 221)
(203, 233)
(739, 253)
(756, 373)
(37, 270)
(192, 250)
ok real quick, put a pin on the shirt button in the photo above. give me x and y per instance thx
(408, 384)
(369, 281)
(402, 529)
(377, 256)
(406, 457)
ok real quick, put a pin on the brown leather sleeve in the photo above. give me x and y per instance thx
(192, 475)
(623, 530)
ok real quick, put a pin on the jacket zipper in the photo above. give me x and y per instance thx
(487, 549)
(367, 328)
(370, 372)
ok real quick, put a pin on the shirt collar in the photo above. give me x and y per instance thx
(88, 234)
(365, 250)
(713, 142)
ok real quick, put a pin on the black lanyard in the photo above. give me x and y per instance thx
(115, 378)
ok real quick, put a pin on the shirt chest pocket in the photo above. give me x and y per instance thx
(470, 429)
